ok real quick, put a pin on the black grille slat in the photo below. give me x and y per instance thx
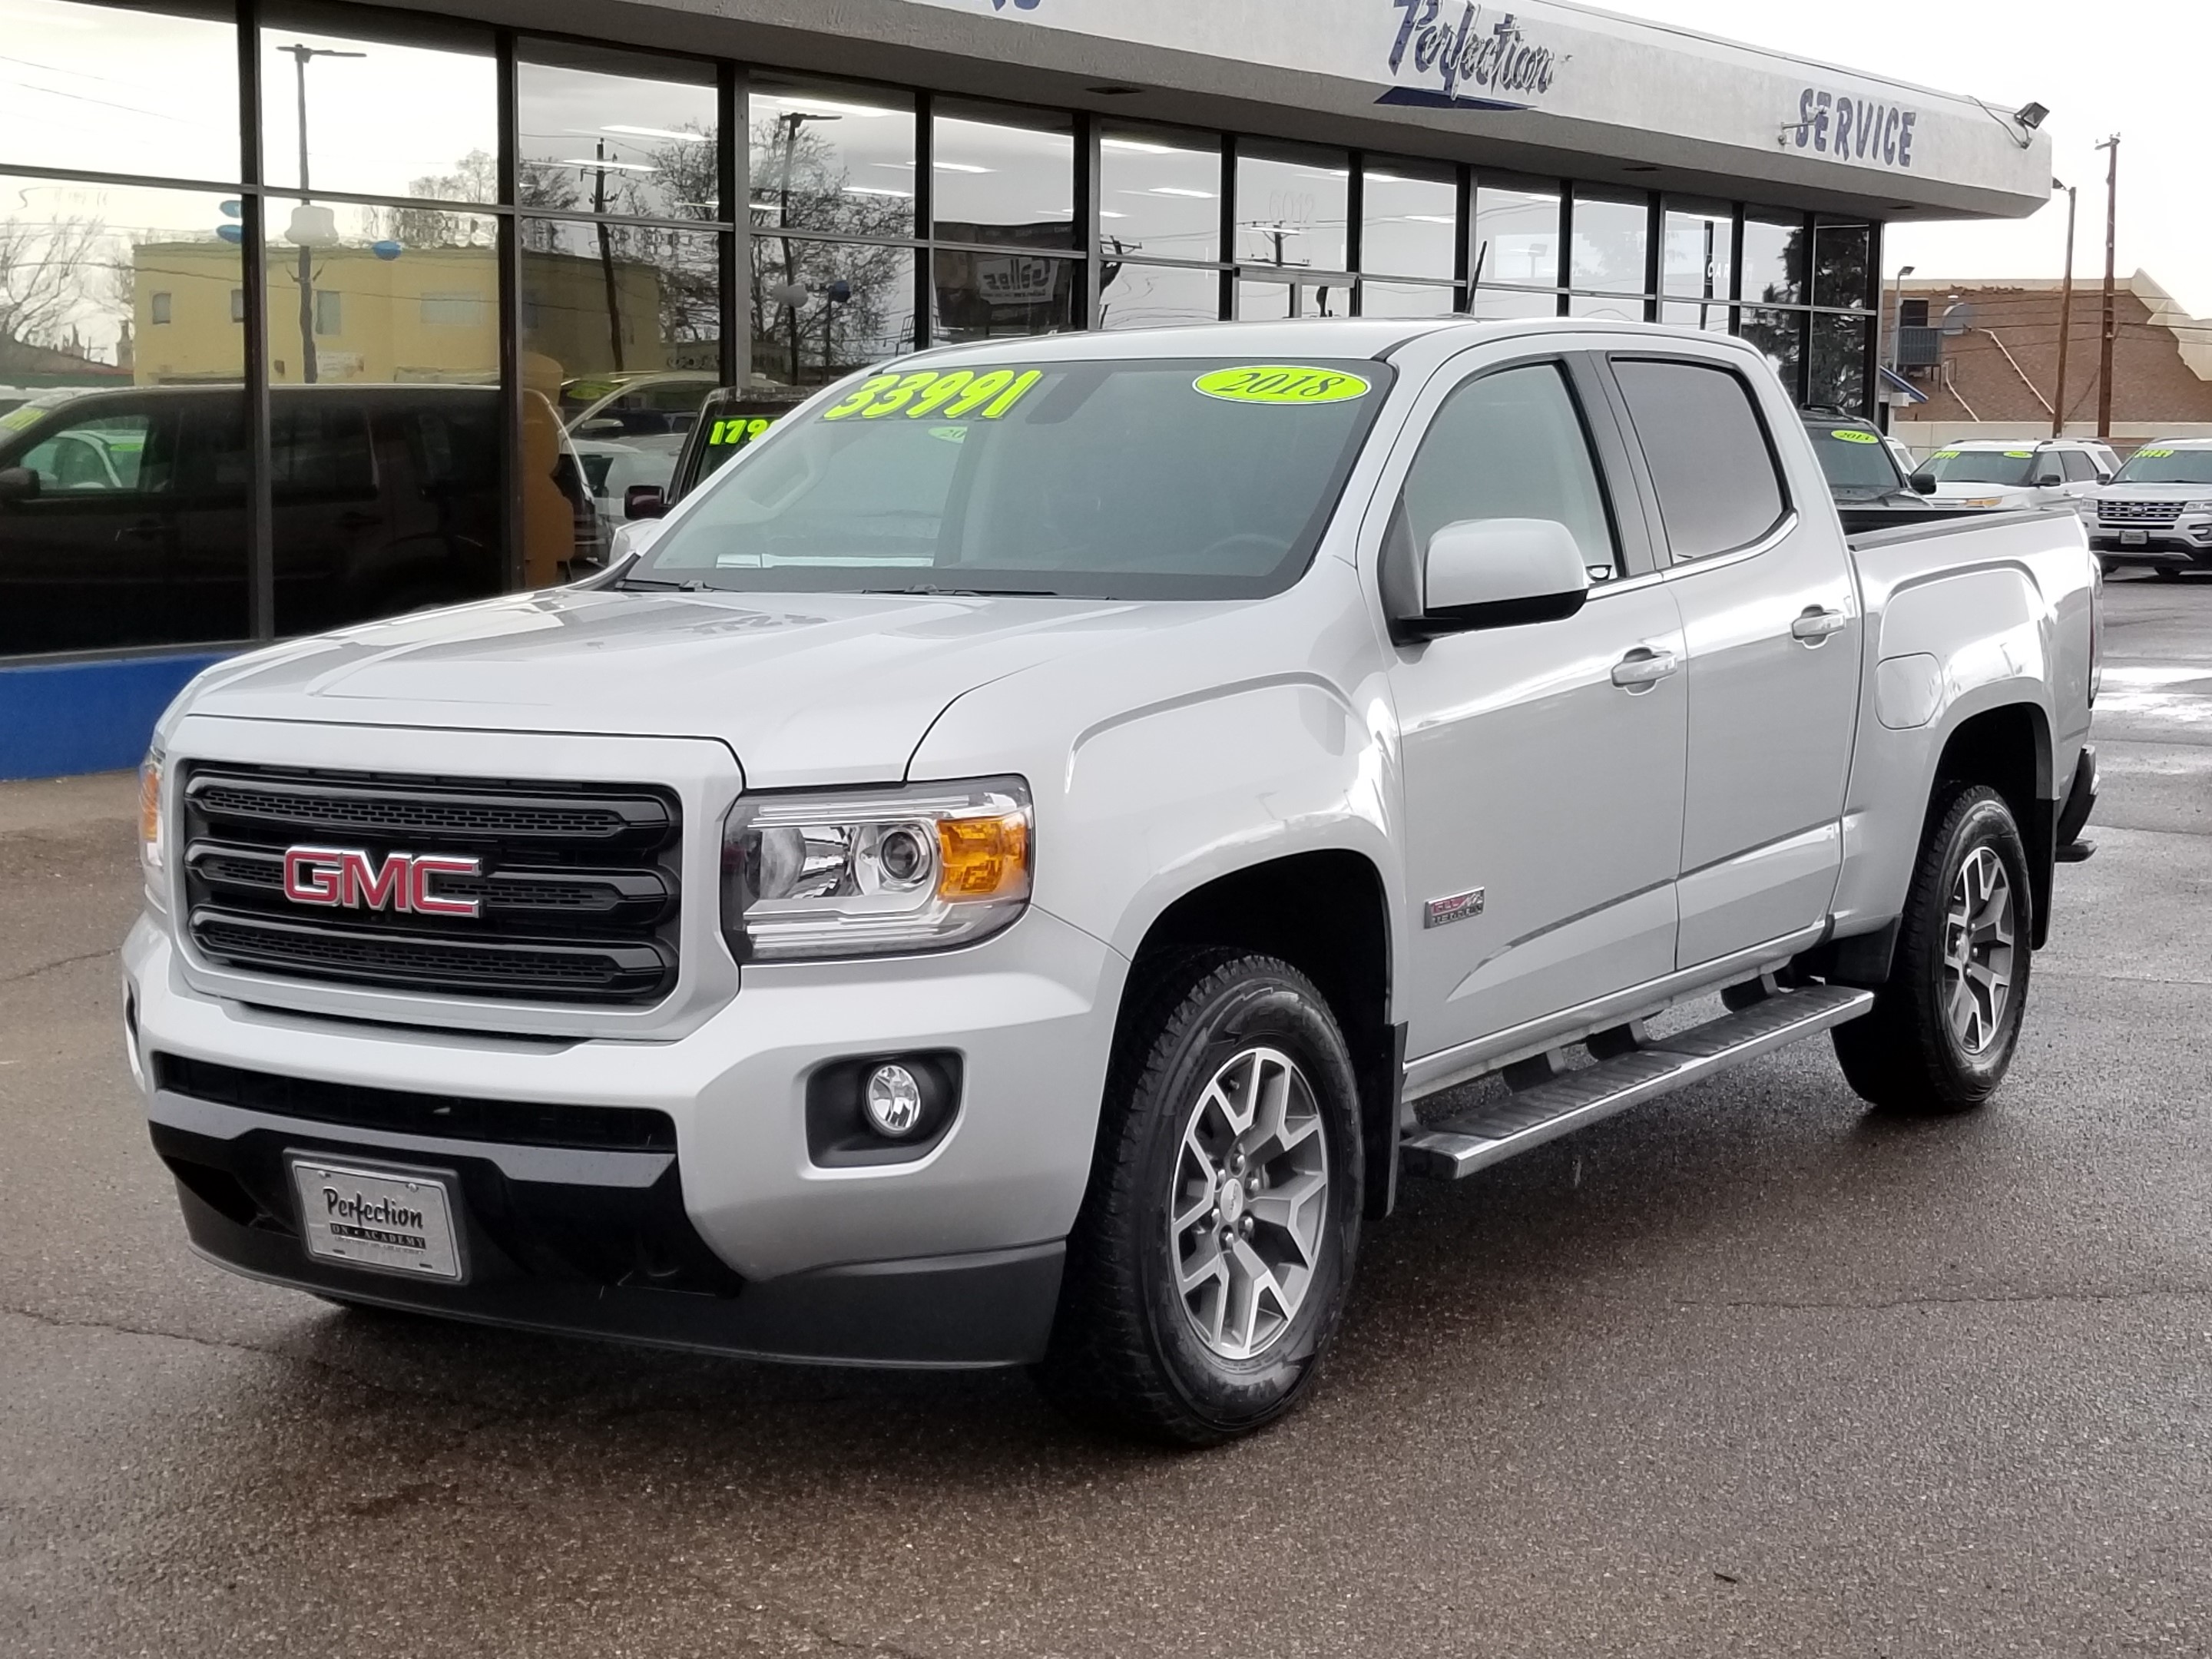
(2134, 513)
(577, 897)
(455, 1117)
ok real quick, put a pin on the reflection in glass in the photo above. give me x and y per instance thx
(613, 132)
(1293, 207)
(1774, 259)
(377, 118)
(1496, 302)
(1616, 307)
(145, 91)
(1697, 256)
(1610, 236)
(119, 524)
(1405, 298)
(1780, 335)
(1409, 219)
(1159, 193)
(1842, 347)
(1517, 235)
(980, 296)
(1003, 176)
(830, 157)
(1157, 297)
(375, 293)
(1840, 255)
(820, 309)
(1695, 313)
(1266, 299)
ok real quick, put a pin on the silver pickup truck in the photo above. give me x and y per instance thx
(1011, 870)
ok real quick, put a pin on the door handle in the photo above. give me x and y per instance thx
(1816, 624)
(1643, 668)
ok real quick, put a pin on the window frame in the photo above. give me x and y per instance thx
(1777, 530)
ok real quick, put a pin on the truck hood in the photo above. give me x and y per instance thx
(806, 688)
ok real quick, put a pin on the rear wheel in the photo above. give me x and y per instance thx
(1943, 1029)
(1208, 1267)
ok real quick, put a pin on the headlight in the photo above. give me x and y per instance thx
(866, 873)
(150, 829)
(2197, 506)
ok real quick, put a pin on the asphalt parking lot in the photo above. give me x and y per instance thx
(1747, 1372)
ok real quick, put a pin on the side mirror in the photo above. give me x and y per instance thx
(1923, 482)
(644, 501)
(18, 483)
(1494, 572)
(601, 426)
(2103, 476)
(2049, 477)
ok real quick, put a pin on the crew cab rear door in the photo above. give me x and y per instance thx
(1542, 761)
(1757, 565)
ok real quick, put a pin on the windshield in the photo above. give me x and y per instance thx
(1123, 479)
(1854, 458)
(1989, 466)
(2181, 466)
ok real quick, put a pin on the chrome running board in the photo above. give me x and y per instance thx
(1490, 1133)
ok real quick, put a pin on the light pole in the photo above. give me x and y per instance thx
(2112, 327)
(300, 54)
(2065, 321)
(1897, 317)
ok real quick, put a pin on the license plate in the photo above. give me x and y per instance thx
(388, 1220)
(2134, 538)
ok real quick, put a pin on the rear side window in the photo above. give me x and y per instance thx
(1719, 488)
(2080, 469)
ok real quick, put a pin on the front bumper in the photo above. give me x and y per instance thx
(732, 1238)
(2186, 541)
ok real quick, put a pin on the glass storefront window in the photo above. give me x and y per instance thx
(1840, 349)
(1774, 259)
(1615, 307)
(1159, 193)
(1271, 299)
(1697, 256)
(1610, 237)
(1157, 297)
(856, 307)
(614, 132)
(1293, 207)
(1713, 315)
(377, 294)
(120, 514)
(1003, 176)
(147, 91)
(983, 296)
(1840, 256)
(1501, 302)
(1405, 298)
(1409, 219)
(377, 117)
(830, 157)
(1516, 234)
(1781, 336)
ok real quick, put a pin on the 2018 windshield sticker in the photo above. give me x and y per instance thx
(1850, 437)
(1282, 383)
(927, 394)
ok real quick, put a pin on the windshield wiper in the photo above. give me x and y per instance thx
(694, 585)
(975, 592)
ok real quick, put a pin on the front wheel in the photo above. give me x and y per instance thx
(1208, 1266)
(1943, 1029)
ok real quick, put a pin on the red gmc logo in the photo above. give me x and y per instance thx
(348, 876)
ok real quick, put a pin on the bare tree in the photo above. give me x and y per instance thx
(50, 269)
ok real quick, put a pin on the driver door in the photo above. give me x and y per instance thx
(1543, 762)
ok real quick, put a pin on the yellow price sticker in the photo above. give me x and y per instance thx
(15, 419)
(1945, 455)
(1282, 383)
(1851, 436)
(2019, 455)
(740, 430)
(927, 394)
(2154, 454)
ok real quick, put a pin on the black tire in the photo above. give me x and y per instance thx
(1126, 1354)
(2166, 573)
(1907, 1055)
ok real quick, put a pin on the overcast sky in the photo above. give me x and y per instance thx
(2143, 69)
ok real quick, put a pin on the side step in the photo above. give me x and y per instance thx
(1459, 1146)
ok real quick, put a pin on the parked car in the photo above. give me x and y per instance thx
(1006, 874)
(730, 419)
(1869, 491)
(2157, 509)
(1996, 472)
(122, 513)
(624, 407)
(612, 470)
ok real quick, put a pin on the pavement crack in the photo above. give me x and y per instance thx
(49, 966)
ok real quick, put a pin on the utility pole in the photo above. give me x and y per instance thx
(607, 260)
(2112, 325)
(1897, 318)
(2065, 320)
(300, 56)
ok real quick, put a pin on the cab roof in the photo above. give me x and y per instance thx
(1288, 341)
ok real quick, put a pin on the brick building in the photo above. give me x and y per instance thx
(1998, 377)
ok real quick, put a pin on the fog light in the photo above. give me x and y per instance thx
(892, 1101)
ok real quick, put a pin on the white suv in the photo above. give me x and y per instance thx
(1998, 472)
(2158, 511)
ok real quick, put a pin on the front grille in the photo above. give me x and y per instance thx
(577, 895)
(454, 1117)
(2137, 512)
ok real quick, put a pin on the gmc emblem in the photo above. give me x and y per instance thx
(348, 876)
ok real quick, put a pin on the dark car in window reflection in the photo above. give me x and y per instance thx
(122, 513)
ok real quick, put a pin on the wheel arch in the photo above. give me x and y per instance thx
(2008, 748)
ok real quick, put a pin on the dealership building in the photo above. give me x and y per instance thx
(314, 312)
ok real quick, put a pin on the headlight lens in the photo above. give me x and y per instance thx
(874, 872)
(2197, 506)
(149, 828)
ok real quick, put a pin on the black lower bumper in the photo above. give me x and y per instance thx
(590, 1243)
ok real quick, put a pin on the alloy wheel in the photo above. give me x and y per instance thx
(1978, 932)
